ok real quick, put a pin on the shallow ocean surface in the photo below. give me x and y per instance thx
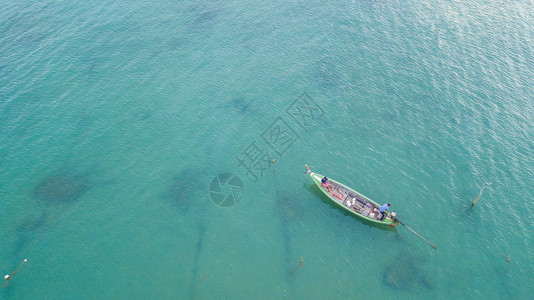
(115, 117)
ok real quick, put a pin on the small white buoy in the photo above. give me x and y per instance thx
(25, 260)
(6, 277)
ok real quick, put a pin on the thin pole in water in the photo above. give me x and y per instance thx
(480, 194)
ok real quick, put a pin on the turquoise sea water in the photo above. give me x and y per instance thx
(115, 117)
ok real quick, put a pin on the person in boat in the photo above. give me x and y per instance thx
(325, 184)
(384, 211)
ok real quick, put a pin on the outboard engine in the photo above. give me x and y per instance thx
(393, 216)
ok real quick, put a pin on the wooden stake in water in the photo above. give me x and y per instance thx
(7, 277)
(480, 194)
(195, 294)
(299, 266)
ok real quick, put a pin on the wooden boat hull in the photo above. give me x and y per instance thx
(345, 195)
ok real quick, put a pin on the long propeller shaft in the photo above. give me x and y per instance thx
(433, 246)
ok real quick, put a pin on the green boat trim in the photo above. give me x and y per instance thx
(352, 201)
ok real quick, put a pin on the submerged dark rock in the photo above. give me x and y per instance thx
(241, 105)
(61, 188)
(289, 210)
(188, 192)
(288, 206)
(400, 277)
(427, 281)
(26, 232)
(405, 273)
(186, 189)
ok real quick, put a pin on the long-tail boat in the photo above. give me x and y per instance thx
(352, 201)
